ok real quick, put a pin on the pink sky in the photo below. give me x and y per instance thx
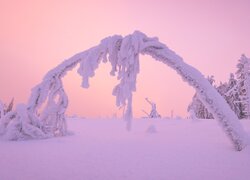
(35, 36)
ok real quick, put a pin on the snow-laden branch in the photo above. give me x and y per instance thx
(44, 115)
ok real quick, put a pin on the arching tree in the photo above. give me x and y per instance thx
(30, 121)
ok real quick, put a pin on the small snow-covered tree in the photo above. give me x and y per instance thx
(6, 115)
(243, 77)
(4, 109)
(153, 113)
(10, 106)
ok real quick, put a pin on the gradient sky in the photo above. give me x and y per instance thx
(37, 35)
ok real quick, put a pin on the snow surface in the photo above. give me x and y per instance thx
(103, 150)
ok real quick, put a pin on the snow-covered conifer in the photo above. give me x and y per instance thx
(230, 92)
(243, 77)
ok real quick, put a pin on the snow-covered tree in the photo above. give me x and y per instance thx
(232, 83)
(4, 109)
(230, 92)
(6, 115)
(222, 88)
(153, 113)
(197, 109)
(243, 77)
(31, 121)
(1, 109)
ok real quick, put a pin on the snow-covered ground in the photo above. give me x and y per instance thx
(104, 150)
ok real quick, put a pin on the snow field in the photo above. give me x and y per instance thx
(102, 149)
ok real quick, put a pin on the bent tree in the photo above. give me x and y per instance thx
(44, 114)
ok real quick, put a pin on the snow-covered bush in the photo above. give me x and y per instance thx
(44, 115)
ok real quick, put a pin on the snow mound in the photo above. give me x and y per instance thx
(151, 129)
